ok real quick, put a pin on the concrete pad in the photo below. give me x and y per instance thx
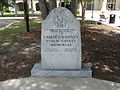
(34, 83)
(85, 71)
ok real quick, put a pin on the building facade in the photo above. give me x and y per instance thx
(96, 5)
(110, 4)
(20, 5)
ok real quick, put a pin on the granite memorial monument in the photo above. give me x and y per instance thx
(61, 47)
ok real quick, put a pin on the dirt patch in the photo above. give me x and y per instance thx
(101, 49)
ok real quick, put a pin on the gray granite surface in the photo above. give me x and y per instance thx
(60, 41)
(85, 71)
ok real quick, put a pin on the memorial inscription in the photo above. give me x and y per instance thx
(61, 41)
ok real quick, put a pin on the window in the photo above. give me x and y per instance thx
(111, 4)
(37, 7)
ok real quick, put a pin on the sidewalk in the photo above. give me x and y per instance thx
(6, 23)
(15, 18)
(106, 23)
(35, 83)
(96, 17)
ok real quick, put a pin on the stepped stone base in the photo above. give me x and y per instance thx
(85, 72)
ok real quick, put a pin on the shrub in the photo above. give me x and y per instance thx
(6, 10)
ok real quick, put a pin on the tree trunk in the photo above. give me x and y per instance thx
(32, 8)
(83, 4)
(83, 15)
(60, 3)
(2, 12)
(74, 7)
(26, 15)
(52, 4)
(43, 8)
(16, 14)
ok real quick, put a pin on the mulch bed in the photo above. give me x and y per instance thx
(100, 48)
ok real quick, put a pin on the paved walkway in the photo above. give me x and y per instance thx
(35, 83)
(5, 23)
(15, 18)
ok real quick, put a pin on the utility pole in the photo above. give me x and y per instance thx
(26, 15)
(92, 7)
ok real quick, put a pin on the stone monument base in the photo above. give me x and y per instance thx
(85, 72)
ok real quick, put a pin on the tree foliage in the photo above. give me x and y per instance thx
(3, 3)
(67, 1)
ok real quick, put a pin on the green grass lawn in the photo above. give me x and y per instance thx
(19, 50)
(12, 36)
(20, 14)
(88, 23)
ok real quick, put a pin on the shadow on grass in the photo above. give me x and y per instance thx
(18, 51)
(101, 49)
